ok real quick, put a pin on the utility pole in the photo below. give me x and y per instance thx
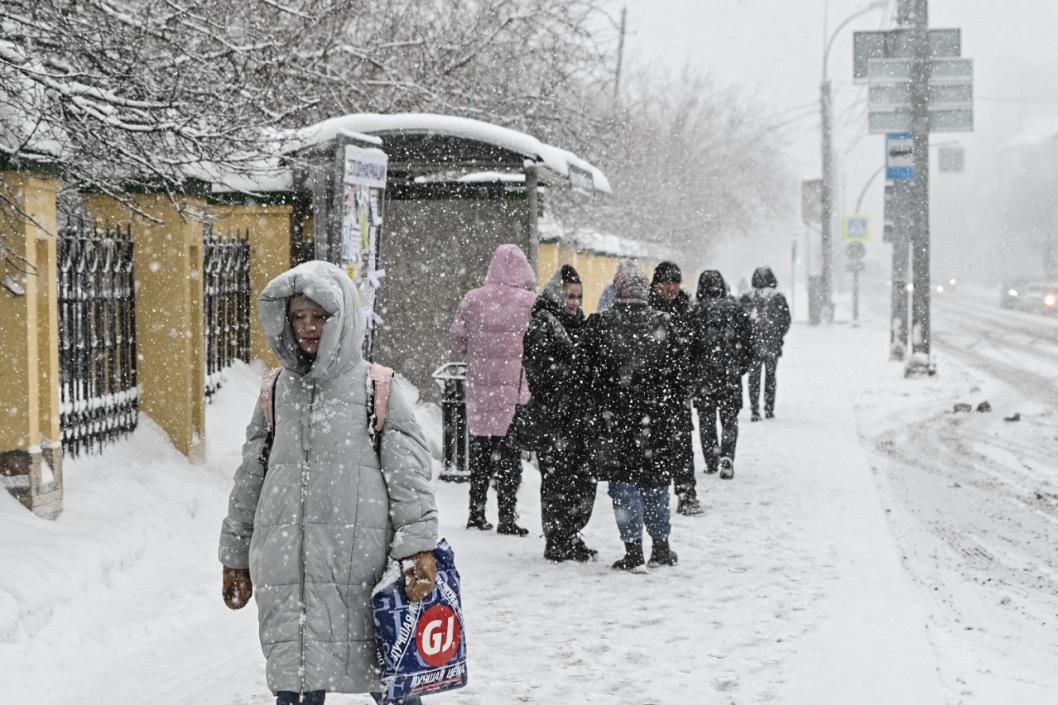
(826, 201)
(620, 55)
(919, 187)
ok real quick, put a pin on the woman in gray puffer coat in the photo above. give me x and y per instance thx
(313, 526)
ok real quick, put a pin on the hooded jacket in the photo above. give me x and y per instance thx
(317, 529)
(625, 357)
(769, 314)
(549, 345)
(488, 328)
(720, 346)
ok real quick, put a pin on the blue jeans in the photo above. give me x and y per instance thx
(634, 506)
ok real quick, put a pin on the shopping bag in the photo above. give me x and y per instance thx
(421, 645)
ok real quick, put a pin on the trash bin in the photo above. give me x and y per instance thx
(455, 460)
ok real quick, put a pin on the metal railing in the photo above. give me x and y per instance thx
(97, 336)
(226, 268)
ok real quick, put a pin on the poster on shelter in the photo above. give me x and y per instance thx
(363, 185)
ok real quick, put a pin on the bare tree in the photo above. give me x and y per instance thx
(689, 163)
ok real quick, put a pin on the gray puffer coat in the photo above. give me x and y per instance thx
(316, 530)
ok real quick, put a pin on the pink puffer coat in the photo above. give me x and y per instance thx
(488, 328)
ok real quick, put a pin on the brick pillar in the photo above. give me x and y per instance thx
(30, 436)
(170, 339)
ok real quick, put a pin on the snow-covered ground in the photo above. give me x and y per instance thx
(837, 567)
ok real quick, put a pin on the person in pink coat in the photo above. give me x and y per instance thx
(488, 329)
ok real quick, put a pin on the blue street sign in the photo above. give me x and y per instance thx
(899, 156)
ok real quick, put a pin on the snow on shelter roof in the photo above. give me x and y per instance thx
(556, 159)
(602, 243)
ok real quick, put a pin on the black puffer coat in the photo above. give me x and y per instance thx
(769, 314)
(626, 357)
(550, 367)
(720, 348)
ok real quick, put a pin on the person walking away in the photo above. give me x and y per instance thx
(720, 353)
(488, 328)
(770, 316)
(667, 296)
(567, 487)
(317, 508)
(625, 353)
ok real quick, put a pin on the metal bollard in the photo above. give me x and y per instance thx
(455, 464)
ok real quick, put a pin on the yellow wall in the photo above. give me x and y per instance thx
(169, 320)
(269, 230)
(29, 343)
(29, 326)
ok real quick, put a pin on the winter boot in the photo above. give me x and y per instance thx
(477, 520)
(557, 550)
(661, 554)
(755, 416)
(509, 528)
(727, 468)
(769, 414)
(633, 558)
(580, 552)
(689, 507)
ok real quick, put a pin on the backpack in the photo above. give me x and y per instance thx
(380, 380)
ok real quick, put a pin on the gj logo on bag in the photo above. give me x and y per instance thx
(421, 645)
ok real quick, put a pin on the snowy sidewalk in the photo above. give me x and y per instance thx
(789, 589)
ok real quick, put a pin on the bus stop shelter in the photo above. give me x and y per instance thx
(455, 189)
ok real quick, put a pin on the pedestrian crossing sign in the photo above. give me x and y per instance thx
(857, 228)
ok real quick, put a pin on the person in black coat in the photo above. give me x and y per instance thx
(720, 353)
(626, 356)
(667, 296)
(770, 316)
(567, 487)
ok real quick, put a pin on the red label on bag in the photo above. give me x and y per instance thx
(438, 635)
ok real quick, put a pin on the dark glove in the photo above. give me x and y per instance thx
(420, 575)
(238, 588)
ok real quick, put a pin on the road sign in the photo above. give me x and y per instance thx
(882, 122)
(950, 95)
(812, 201)
(855, 251)
(857, 228)
(899, 156)
(951, 158)
(896, 43)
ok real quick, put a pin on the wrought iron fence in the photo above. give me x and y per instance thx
(97, 336)
(227, 304)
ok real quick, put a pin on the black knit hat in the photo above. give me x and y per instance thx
(667, 272)
(569, 275)
(764, 278)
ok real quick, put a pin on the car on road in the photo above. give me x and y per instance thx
(1034, 297)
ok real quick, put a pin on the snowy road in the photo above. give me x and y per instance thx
(974, 499)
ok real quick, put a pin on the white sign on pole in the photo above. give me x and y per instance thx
(365, 167)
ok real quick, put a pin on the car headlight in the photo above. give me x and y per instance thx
(1012, 292)
(940, 289)
(1050, 300)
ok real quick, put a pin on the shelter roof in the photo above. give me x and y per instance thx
(424, 143)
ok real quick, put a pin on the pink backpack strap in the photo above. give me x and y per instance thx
(268, 394)
(381, 378)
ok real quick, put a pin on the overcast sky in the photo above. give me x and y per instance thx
(773, 48)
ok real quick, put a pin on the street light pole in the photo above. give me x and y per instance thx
(827, 195)
(920, 295)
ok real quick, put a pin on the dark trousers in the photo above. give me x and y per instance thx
(491, 457)
(681, 450)
(567, 493)
(769, 364)
(723, 407)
